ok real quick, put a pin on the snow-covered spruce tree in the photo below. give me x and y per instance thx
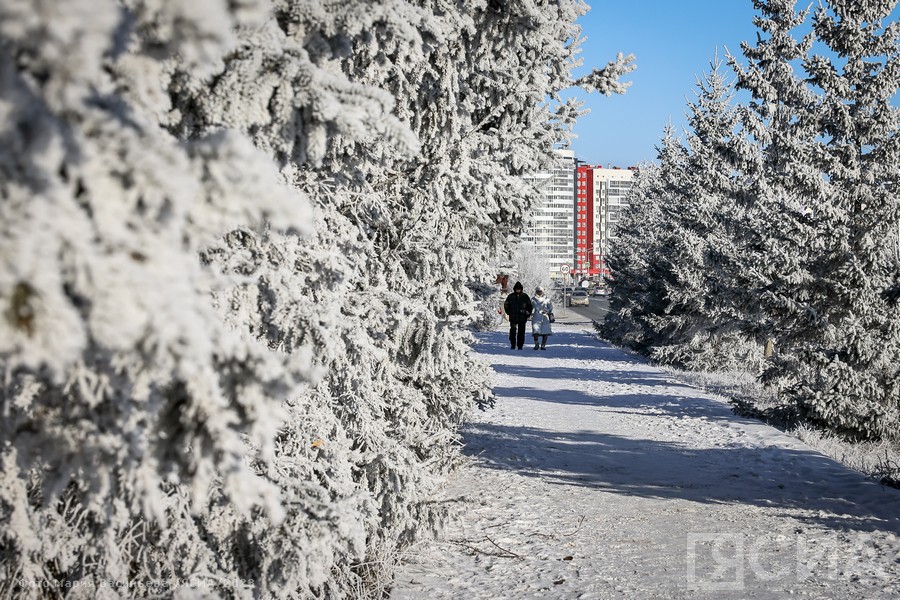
(822, 214)
(125, 396)
(418, 230)
(694, 330)
(628, 263)
(639, 267)
(185, 311)
(475, 100)
(844, 374)
(769, 289)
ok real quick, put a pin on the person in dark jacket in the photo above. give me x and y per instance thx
(518, 307)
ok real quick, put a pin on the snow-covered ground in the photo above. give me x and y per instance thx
(600, 476)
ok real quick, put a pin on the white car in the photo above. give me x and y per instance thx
(579, 298)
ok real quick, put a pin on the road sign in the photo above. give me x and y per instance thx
(564, 269)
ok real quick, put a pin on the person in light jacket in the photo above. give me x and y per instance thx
(540, 319)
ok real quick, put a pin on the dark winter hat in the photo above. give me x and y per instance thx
(518, 286)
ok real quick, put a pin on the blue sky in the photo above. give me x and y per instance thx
(673, 42)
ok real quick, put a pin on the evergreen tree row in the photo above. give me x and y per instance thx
(242, 245)
(768, 236)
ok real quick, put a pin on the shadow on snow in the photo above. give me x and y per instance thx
(761, 476)
(562, 344)
(755, 475)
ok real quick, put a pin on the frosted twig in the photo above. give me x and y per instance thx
(506, 553)
(488, 538)
(549, 536)
(477, 550)
(577, 527)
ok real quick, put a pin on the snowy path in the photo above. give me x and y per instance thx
(599, 476)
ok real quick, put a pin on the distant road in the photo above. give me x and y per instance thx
(595, 312)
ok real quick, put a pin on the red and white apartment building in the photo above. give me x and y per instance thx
(572, 224)
(600, 198)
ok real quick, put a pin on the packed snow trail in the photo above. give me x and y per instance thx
(598, 475)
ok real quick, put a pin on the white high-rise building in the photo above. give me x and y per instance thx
(552, 223)
(610, 187)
